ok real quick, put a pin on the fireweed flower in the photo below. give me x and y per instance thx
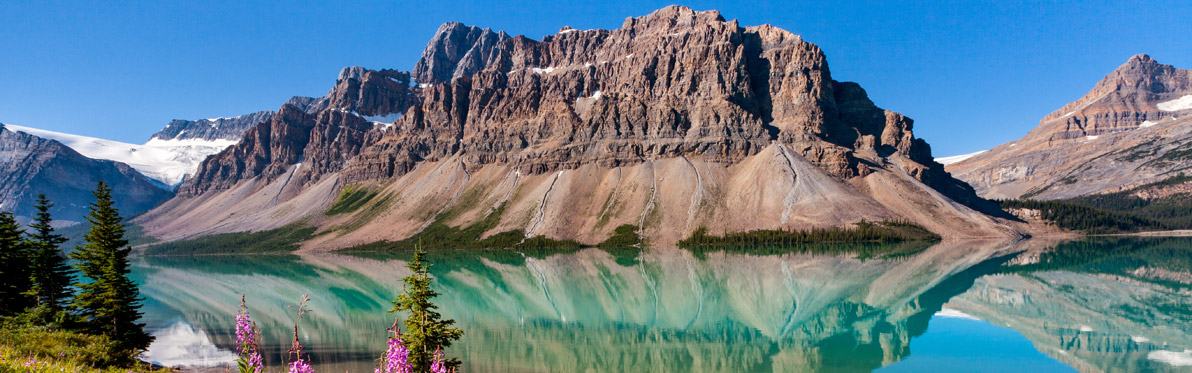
(246, 339)
(396, 358)
(301, 366)
(437, 365)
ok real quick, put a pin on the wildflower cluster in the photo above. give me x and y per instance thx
(247, 337)
(396, 358)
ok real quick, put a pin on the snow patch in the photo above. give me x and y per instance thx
(167, 161)
(957, 158)
(1179, 359)
(544, 71)
(1138, 339)
(1069, 114)
(423, 85)
(597, 95)
(180, 345)
(1147, 123)
(955, 314)
(1182, 103)
(1086, 328)
(1092, 137)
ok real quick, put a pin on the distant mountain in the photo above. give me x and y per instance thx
(1131, 133)
(169, 155)
(30, 165)
(678, 120)
(211, 129)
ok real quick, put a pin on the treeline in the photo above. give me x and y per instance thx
(1080, 217)
(863, 231)
(85, 314)
(1171, 212)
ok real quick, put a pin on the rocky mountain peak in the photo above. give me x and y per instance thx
(210, 129)
(1121, 101)
(456, 50)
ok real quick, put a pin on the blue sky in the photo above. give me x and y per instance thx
(973, 74)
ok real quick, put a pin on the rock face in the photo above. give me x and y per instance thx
(1131, 128)
(212, 128)
(30, 165)
(679, 89)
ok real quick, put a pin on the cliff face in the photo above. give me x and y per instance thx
(673, 85)
(30, 165)
(1130, 129)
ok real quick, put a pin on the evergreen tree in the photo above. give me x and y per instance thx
(14, 267)
(110, 303)
(426, 332)
(51, 277)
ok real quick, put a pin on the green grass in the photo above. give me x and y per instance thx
(60, 351)
(623, 236)
(350, 199)
(886, 231)
(280, 240)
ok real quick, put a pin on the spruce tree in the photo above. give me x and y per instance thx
(51, 277)
(14, 267)
(426, 332)
(110, 303)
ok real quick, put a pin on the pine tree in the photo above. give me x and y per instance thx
(14, 267)
(51, 277)
(426, 332)
(110, 303)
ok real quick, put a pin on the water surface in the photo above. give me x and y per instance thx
(1116, 305)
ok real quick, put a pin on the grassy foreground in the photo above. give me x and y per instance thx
(29, 349)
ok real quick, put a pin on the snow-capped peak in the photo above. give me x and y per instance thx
(167, 161)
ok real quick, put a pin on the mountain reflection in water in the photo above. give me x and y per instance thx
(824, 308)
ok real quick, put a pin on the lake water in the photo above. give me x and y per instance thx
(1101, 305)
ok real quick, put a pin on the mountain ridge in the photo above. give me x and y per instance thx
(1128, 130)
(713, 111)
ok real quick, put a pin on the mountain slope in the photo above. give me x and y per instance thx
(1133, 128)
(677, 120)
(30, 165)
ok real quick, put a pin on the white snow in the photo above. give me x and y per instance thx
(1086, 328)
(630, 55)
(1179, 359)
(392, 79)
(384, 121)
(955, 314)
(1069, 114)
(180, 345)
(1138, 339)
(957, 158)
(544, 71)
(1182, 103)
(1147, 123)
(567, 31)
(1090, 138)
(167, 161)
(423, 85)
(597, 95)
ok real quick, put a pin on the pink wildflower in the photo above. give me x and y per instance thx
(396, 358)
(437, 365)
(246, 338)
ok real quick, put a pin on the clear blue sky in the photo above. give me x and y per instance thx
(972, 74)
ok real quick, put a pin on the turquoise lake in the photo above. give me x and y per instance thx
(1095, 305)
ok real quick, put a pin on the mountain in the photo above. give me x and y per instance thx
(211, 129)
(1131, 133)
(169, 155)
(30, 165)
(675, 121)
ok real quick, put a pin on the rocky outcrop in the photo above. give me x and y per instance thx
(212, 128)
(674, 85)
(1130, 129)
(31, 165)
